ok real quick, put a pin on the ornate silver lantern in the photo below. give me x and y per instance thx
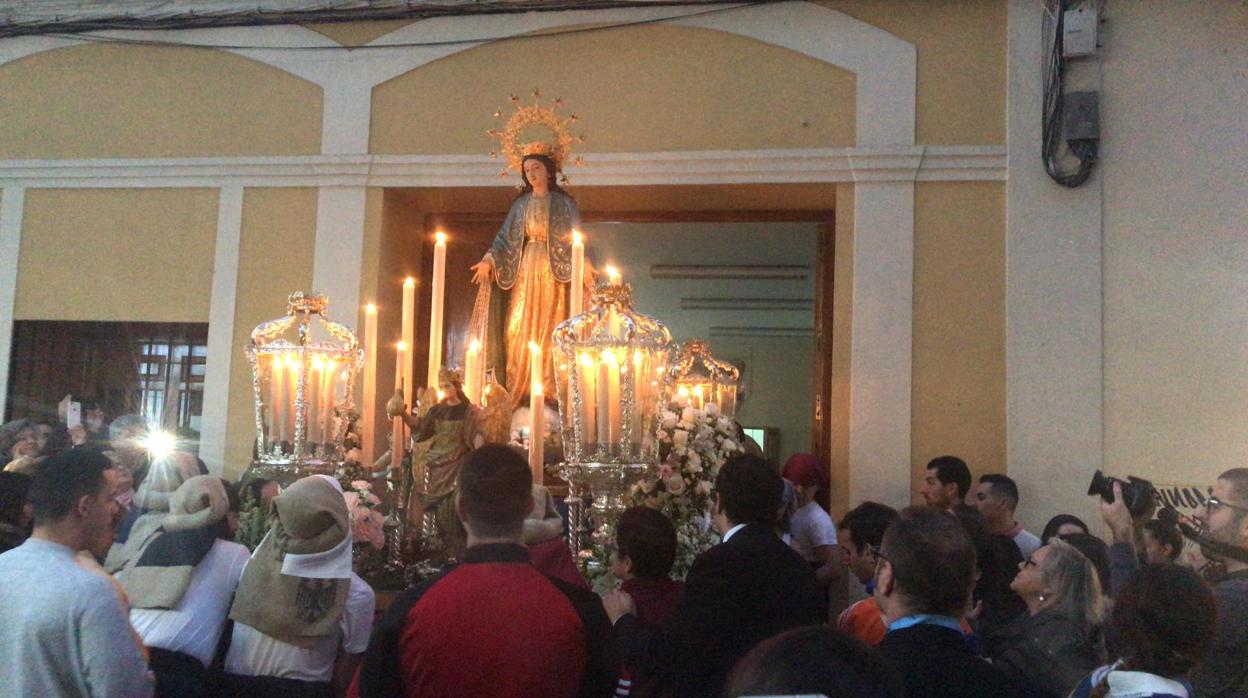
(303, 370)
(699, 379)
(609, 371)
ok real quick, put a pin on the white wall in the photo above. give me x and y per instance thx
(1155, 246)
(1175, 147)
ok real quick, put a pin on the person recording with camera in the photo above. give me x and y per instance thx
(1222, 534)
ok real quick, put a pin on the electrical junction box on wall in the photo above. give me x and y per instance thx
(1078, 33)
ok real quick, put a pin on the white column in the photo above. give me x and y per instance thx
(11, 205)
(881, 351)
(221, 344)
(347, 112)
(1053, 304)
(339, 251)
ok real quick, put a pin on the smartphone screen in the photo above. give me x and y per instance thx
(73, 415)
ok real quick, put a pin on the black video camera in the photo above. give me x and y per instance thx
(1137, 493)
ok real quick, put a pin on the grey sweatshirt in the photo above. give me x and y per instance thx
(63, 631)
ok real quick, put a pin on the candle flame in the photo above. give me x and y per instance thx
(441, 396)
(400, 346)
(535, 347)
(586, 359)
(409, 282)
(609, 357)
(440, 237)
(474, 345)
(537, 389)
(682, 391)
(577, 238)
(637, 357)
(612, 273)
(371, 309)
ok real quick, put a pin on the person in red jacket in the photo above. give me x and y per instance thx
(494, 625)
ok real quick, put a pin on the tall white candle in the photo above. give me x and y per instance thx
(602, 411)
(312, 400)
(396, 435)
(613, 398)
(537, 429)
(368, 418)
(577, 293)
(435, 315)
(409, 335)
(587, 380)
(327, 389)
(277, 392)
(472, 372)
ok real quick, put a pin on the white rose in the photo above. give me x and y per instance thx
(730, 445)
(703, 488)
(675, 484)
(668, 419)
(694, 465)
(680, 437)
(689, 414)
(712, 409)
(361, 485)
(724, 424)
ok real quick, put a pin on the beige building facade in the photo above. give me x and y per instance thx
(979, 309)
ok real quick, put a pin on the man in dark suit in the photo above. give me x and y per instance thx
(924, 573)
(746, 589)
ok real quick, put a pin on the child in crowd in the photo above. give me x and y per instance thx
(645, 550)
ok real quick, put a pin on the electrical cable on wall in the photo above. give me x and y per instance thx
(1081, 147)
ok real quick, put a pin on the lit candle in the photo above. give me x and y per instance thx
(435, 314)
(698, 400)
(409, 335)
(472, 372)
(613, 397)
(368, 417)
(587, 381)
(277, 383)
(312, 400)
(537, 429)
(535, 365)
(396, 437)
(602, 411)
(576, 300)
(327, 388)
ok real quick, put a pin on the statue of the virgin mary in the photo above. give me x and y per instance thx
(532, 258)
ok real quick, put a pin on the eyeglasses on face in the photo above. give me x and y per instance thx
(1213, 503)
(1029, 562)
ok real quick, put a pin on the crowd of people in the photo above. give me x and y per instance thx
(120, 577)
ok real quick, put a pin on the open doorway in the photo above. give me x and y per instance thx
(755, 284)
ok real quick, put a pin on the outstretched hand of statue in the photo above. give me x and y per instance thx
(591, 277)
(483, 271)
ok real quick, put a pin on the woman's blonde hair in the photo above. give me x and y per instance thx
(1074, 589)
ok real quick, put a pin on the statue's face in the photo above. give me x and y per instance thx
(536, 173)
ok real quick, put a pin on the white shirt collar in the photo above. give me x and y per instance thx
(732, 531)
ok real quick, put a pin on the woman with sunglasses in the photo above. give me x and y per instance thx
(1060, 640)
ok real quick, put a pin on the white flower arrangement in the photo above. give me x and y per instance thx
(366, 521)
(693, 443)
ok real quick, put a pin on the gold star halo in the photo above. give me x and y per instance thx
(558, 148)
